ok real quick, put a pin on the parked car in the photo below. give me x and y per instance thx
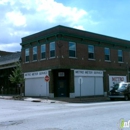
(120, 90)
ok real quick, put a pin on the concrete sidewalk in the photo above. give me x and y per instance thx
(60, 99)
(6, 97)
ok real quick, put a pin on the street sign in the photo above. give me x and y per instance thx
(80, 80)
(47, 78)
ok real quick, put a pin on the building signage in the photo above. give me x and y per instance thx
(61, 74)
(113, 79)
(35, 74)
(88, 73)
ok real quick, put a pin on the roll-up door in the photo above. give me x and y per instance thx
(99, 86)
(91, 86)
(36, 87)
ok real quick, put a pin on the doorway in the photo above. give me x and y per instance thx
(62, 88)
(61, 82)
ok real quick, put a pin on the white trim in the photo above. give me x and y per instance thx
(72, 95)
(52, 57)
(51, 95)
(91, 59)
(107, 60)
(121, 62)
(73, 57)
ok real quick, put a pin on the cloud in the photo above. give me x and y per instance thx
(13, 47)
(79, 27)
(16, 18)
(53, 10)
(20, 18)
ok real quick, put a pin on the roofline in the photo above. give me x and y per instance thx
(60, 30)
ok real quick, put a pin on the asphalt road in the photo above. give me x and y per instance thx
(25, 115)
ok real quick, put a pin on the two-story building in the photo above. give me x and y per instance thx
(79, 63)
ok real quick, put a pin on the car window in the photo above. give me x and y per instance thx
(122, 86)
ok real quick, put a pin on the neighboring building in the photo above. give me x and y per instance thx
(3, 53)
(78, 62)
(7, 65)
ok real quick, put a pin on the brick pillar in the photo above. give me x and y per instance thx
(71, 84)
(51, 85)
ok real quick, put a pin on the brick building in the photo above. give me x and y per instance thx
(79, 63)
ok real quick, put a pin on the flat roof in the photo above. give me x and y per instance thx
(63, 30)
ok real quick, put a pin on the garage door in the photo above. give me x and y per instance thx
(36, 87)
(91, 86)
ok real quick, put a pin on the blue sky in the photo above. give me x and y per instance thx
(20, 18)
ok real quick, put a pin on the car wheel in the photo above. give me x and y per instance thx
(126, 98)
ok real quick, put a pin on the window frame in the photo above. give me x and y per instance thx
(35, 54)
(107, 56)
(43, 51)
(91, 54)
(27, 56)
(52, 51)
(72, 52)
(120, 56)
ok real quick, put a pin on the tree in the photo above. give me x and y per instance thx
(16, 76)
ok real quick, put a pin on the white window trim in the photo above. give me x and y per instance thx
(122, 57)
(34, 54)
(41, 52)
(75, 51)
(90, 52)
(52, 50)
(109, 54)
(27, 55)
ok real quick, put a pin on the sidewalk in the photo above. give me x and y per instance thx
(60, 99)
(5, 97)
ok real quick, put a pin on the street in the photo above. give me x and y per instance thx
(25, 115)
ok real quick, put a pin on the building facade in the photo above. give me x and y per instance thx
(79, 63)
(7, 65)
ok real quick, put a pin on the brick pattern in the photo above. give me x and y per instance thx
(81, 60)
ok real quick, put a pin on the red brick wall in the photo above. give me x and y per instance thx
(81, 61)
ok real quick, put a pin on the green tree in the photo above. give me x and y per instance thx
(16, 76)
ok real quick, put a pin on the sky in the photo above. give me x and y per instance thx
(20, 18)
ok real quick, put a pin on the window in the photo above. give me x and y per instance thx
(72, 49)
(26, 55)
(120, 56)
(90, 51)
(43, 51)
(52, 49)
(107, 54)
(35, 53)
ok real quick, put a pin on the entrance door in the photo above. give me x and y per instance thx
(61, 88)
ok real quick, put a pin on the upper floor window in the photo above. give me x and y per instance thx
(72, 49)
(52, 49)
(90, 51)
(43, 51)
(107, 54)
(27, 55)
(35, 53)
(120, 56)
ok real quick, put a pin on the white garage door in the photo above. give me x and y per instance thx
(99, 86)
(36, 87)
(91, 86)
